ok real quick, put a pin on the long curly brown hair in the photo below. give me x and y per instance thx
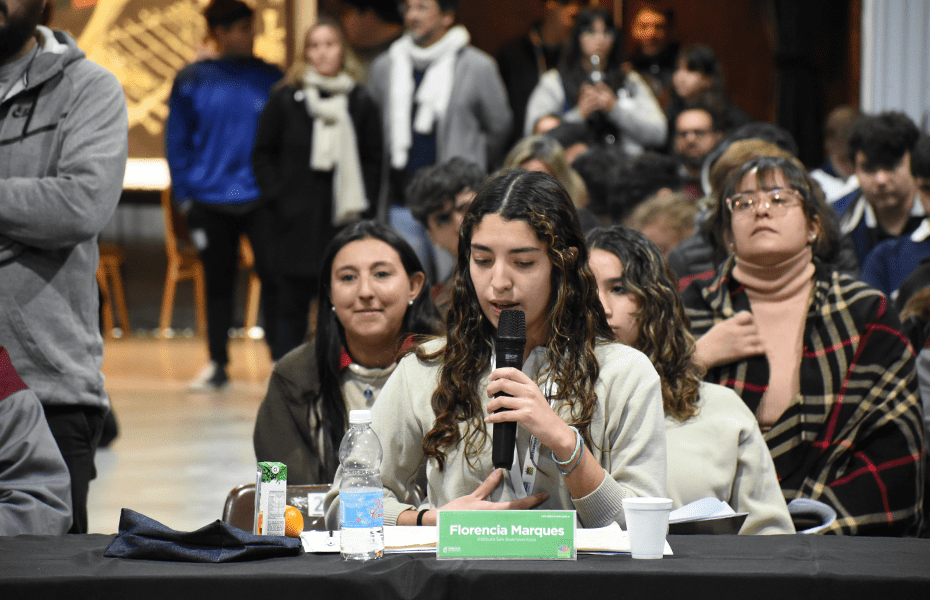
(662, 323)
(576, 318)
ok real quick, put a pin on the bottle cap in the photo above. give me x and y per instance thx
(359, 416)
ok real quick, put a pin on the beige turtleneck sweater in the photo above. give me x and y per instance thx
(779, 296)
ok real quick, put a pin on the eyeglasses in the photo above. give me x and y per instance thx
(777, 201)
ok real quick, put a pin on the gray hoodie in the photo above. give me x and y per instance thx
(63, 147)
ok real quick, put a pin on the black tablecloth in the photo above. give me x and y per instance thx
(713, 567)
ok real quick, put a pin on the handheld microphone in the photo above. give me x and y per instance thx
(509, 347)
(596, 75)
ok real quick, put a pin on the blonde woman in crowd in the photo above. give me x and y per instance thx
(314, 174)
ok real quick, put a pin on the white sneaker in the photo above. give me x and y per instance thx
(211, 378)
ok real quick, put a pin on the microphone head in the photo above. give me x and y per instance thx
(512, 324)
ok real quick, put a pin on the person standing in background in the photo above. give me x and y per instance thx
(369, 27)
(522, 61)
(63, 147)
(653, 54)
(213, 117)
(440, 97)
(317, 160)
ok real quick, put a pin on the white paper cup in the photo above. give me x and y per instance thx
(647, 525)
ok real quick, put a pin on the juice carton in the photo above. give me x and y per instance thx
(270, 498)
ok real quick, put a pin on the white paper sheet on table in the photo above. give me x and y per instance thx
(600, 540)
(705, 508)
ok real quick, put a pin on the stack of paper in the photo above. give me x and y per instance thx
(705, 516)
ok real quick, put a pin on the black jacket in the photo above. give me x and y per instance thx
(299, 198)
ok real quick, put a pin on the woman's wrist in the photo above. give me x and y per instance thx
(414, 517)
(567, 446)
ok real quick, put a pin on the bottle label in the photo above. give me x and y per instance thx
(361, 508)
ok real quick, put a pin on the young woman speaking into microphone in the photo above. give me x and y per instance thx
(589, 411)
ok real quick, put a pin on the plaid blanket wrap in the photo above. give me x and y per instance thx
(853, 437)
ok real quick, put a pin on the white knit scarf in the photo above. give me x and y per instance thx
(433, 94)
(334, 142)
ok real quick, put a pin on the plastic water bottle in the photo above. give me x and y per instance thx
(361, 497)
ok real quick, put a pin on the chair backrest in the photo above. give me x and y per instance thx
(239, 510)
(176, 234)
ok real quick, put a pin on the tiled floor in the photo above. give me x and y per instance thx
(177, 454)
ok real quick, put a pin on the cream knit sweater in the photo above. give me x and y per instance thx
(628, 432)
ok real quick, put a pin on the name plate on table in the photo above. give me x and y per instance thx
(507, 534)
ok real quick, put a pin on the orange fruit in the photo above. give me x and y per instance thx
(293, 522)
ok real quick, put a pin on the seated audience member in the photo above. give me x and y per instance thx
(546, 123)
(666, 219)
(653, 54)
(698, 77)
(543, 154)
(715, 447)
(438, 197)
(372, 300)
(696, 131)
(35, 485)
(522, 61)
(575, 139)
(652, 173)
(818, 356)
(621, 183)
(756, 130)
(916, 281)
(590, 418)
(604, 170)
(592, 87)
(890, 263)
(915, 314)
(837, 175)
(700, 254)
(885, 206)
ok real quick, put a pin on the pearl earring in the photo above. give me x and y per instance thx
(410, 303)
(334, 308)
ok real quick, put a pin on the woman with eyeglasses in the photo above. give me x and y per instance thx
(591, 85)
(816, 355)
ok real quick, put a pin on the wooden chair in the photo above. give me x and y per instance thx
(110, 282)
(184, 264)
(239, 510)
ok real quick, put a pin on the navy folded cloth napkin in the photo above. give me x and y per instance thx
(145, 538)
